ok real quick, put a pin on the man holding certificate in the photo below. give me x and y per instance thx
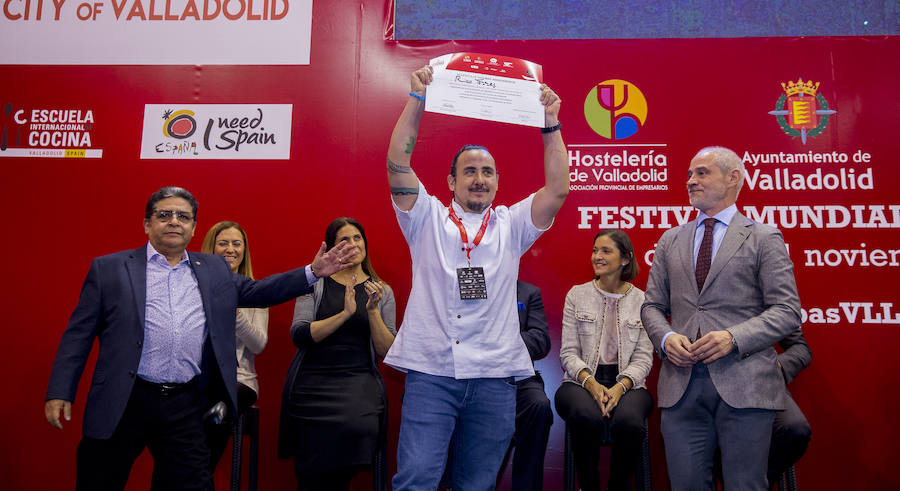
(459, 342)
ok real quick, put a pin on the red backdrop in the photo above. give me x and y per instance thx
(698, 93)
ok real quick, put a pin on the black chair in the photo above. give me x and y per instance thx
(788, 480)
(247, 424)
(380, 464)
(642, 476)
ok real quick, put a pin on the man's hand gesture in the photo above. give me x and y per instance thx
(329, 263)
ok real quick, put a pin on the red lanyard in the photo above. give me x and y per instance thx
(462, 231)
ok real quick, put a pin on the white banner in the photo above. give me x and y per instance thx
(217, 131)
(155, 32)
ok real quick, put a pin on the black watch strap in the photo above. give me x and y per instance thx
(551, 129)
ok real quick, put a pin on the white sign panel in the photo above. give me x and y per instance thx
(217, 131)
(155, 32)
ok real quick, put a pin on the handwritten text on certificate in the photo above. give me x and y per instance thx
(489, 87)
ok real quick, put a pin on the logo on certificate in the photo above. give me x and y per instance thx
(798, 110)
(615, 109)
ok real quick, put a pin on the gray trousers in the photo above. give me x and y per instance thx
(702, 421)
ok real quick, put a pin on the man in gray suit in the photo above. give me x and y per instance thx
(727, 284)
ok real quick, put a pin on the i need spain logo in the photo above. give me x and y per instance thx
(615, 109)
(217, 131)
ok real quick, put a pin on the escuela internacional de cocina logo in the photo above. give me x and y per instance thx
(615, 109)
(798, 110)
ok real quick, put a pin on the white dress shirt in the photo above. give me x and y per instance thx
(441, 334)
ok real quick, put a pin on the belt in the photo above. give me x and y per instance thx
(167, 388)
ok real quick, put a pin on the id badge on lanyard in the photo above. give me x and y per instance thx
(471, 281)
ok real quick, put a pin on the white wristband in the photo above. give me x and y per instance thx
(624, 389)
(584, 382)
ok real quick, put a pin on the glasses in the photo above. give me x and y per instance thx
(166, 215)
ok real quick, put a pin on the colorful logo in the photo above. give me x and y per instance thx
(801, 116)
(615, 109)
(180, 124)
(217, 131)
(58, 132)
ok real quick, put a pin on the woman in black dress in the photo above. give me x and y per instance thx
(334, 403)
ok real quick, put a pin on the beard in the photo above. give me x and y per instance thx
(476, 206)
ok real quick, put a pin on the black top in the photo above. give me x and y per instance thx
(347, 348)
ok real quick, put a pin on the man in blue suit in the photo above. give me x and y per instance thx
(165, 319)
(533, 413)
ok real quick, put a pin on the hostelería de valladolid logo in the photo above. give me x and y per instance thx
(615, 109)
(798, 110)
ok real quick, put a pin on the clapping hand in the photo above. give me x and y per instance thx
(375, 291)
(350, 296)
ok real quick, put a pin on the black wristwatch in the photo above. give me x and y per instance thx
(551, 129)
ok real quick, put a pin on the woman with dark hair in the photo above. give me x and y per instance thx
(334, 403)
(606, 356)
(228, 239)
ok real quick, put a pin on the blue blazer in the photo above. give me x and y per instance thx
(112, 308)
(532, 320)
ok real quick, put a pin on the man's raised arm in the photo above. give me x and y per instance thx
(549, 199)
(404, 184)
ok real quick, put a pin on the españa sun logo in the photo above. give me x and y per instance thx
(800, 117)
(615, 109)
(179, 124)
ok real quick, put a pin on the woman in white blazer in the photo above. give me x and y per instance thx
(606, 356)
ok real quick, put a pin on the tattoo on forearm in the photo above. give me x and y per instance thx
(403, 191)
(410, 145)
(397, 168)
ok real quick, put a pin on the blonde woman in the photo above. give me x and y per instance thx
(228, 239)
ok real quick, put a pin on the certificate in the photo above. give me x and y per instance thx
(489, 87)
